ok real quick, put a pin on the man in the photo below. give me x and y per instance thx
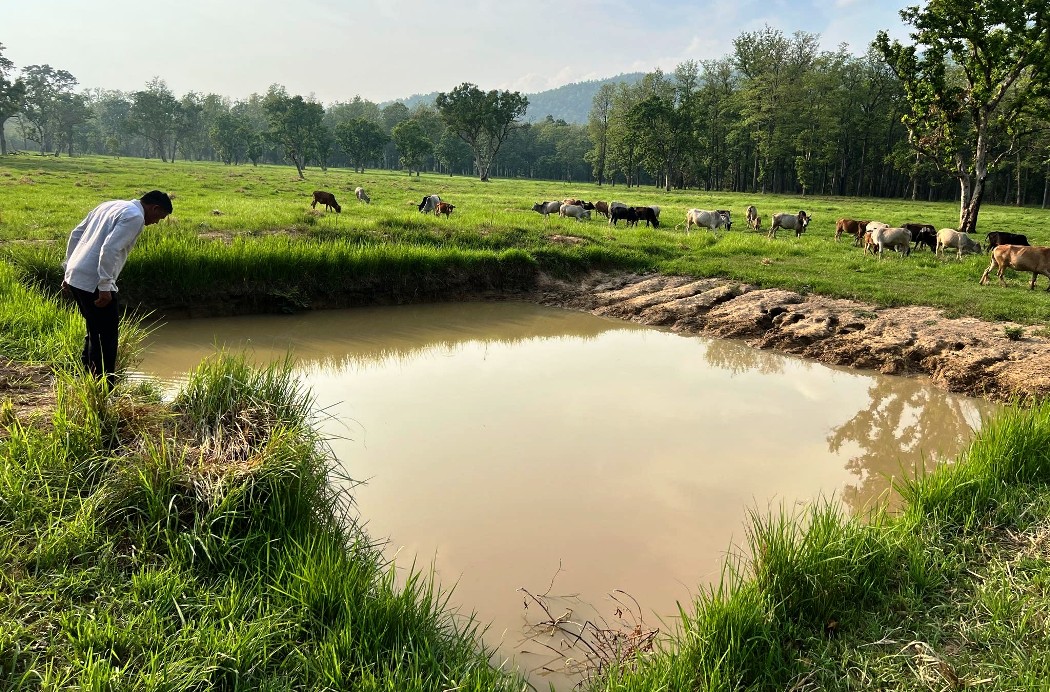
(95, 254)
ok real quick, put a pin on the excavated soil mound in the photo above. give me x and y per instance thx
(963, 355)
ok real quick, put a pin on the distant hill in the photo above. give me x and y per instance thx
(571, 103)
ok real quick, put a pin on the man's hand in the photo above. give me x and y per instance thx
(104, 299)
(66, 290)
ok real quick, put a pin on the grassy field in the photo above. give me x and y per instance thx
(245, 231)
(195, 544)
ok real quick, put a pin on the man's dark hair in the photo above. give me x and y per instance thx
(158, 198)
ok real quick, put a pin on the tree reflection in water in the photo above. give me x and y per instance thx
(737, 357)
(909, 426)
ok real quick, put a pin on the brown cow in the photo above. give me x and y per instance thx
(1023, 258)
(602, 208)
(443, 208)
(852, 226)
(327, 199)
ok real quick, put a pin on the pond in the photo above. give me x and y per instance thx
(508, 445)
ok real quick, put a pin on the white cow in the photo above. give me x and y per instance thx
(705, 218)
(428, 204)
(362, 195)
(754, 221)
(898, 239)
(546, 208)
(949, 237)
(574, 211)
(790, 222)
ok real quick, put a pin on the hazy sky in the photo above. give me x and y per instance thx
(388, 49)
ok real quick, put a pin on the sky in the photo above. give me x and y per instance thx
(381, 50)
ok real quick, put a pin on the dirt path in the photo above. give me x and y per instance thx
(963, 355)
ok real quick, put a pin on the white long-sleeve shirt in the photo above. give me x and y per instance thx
(99, 245)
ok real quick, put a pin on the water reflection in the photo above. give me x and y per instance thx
(509, 442)
(736, 357)
(907, 427)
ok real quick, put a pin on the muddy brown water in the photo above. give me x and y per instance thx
(508, 445)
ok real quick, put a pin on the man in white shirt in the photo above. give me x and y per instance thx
(95, 254)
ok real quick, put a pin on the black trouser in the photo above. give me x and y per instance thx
(100, 345)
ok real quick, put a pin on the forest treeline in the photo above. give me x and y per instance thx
(777, 115)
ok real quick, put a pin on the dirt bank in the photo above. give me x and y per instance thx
(963, 355)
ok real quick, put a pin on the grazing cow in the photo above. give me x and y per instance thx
(791, 222)
(546, 208)
(1023, 258)
(602, 208)
(628, 214)
(647, 215)
(951, 238)
(996, 238)
(727, 215)
(897, 238)
(428, 204)
(362, 195)
(869, 245)
(327, 199)
(656, 210)
(754, 221)
(851, 226)
(922, 234)
(703, 218)
(443, 208)
(574, 211)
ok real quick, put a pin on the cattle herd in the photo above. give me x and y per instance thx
(1008, 250)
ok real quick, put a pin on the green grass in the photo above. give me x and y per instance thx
(268, 251)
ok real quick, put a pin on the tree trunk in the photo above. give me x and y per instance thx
(1046, 185)
(969, 210)
(3, 141)
(1020, 190)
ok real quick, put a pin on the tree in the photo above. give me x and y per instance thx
(452, 152)
(230, 135)
(662, 122)
(188, 132)
(598, 129)
(966, 78)
(44, 89)
(71, 110)
(154, 114)
(623, 147)
(481, 119)
(295, 124)
(362, 140)
(12, 93)
(413, 143)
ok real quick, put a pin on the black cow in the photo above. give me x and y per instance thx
(648, 215)
(628, 214)
(922, 234)
(1004, 238)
